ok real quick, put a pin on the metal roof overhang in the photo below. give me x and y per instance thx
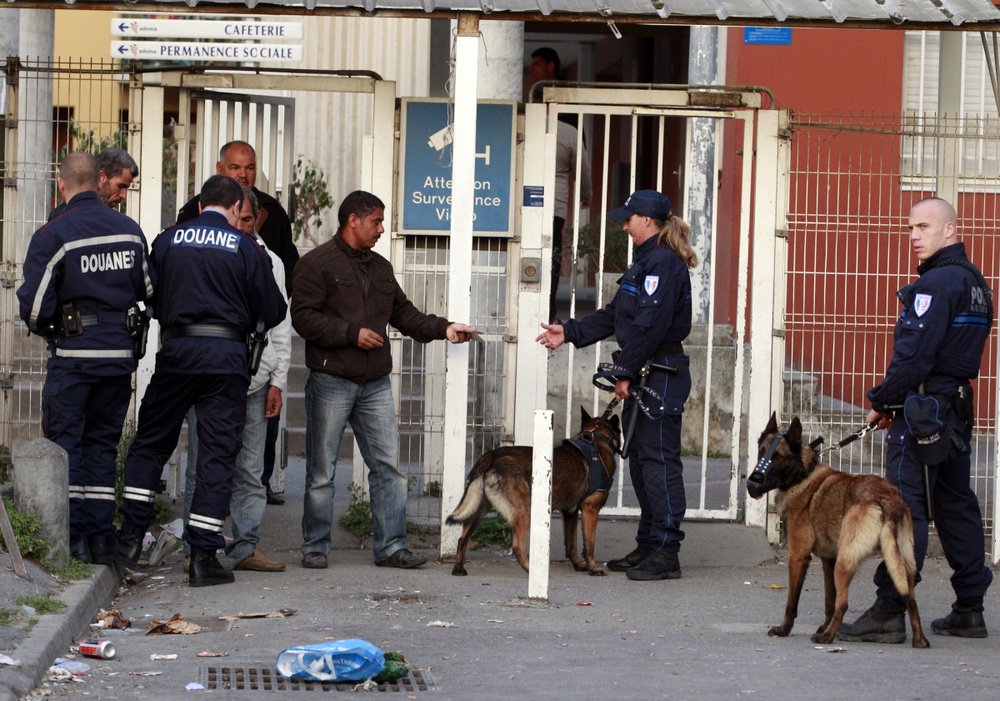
(967, 15)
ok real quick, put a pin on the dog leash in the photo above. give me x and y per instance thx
(850, 438)
(607, 376)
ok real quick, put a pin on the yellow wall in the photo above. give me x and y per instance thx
(82, 41)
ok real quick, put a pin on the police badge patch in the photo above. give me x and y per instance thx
(651, 283)
(921, 303)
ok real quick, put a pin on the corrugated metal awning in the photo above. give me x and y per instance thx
(904, 14)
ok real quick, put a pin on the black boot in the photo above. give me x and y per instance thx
(884, 622)
(206, 571)
(128, 549)
(79, 550)
(102, 550)
(657, 565)
(629, 561)
(965, 620)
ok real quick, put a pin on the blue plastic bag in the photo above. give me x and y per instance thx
(332, 661)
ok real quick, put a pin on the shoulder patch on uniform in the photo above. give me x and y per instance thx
(921, 303)
(651, 283)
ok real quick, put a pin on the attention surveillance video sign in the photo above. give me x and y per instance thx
(427, 159)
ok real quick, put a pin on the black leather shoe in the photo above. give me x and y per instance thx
(274, 499)
(884, 622)
(128, 551)
(79, 550)
(629, 561)
(657, 565)
(403, 559)
(102, 550)
(965, 620)
(207, 571)
(314, 561)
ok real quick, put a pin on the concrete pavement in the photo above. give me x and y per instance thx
(703, 636)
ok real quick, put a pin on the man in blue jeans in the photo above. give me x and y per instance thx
(344, 298)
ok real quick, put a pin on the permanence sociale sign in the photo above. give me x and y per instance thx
(427, 160)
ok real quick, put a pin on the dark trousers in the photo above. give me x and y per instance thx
(956, 514)
(654, 460)
(83, 414)
(557, 227)
(220, 406)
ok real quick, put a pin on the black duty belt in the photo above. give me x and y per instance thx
(87, 320)
(669, 349)
(226, 333)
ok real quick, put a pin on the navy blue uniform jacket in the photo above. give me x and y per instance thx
(650, 312)
(96, 258)
(941, 332)
(210, 273)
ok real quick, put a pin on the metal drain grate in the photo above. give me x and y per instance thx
(264, 678)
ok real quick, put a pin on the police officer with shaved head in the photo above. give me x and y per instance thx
(84, 273)
(216, 297)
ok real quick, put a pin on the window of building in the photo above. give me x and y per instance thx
(977, 151)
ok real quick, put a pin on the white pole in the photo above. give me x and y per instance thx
(541, 506)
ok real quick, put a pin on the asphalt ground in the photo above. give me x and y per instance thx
(703, 636)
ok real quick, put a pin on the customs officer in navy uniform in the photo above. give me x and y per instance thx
(925, 402)
(649, 316)
(215, 288)
(83, 274)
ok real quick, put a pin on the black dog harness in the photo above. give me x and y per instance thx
(600, 478)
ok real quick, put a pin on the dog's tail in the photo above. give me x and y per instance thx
(474, 494)
(896, 543)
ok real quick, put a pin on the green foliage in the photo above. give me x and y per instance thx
(417, 529)
(26, 532)
(494, 530)
(89, 142)
(42, 604)
(588, 246)
(6, 617)
(4, 463)
(74, 569)
(311, 199)
(432, 489)
(357, 520)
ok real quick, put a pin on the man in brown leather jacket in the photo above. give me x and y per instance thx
(344, 298)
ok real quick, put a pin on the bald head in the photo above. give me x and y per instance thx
(79, 172)
(933, 225)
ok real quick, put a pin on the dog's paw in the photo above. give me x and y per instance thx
(458, 571)
(777, 632)
(823, 639)
(597, 572)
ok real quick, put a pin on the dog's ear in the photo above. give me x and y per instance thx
(794, 434)
(772, 426)
(584, 417)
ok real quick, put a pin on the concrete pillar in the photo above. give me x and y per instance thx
(501, 60)
(702, 183)
(36, 159)
(9, 23)
(41, 488)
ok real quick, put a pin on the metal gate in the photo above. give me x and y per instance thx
(672, 140)
(51, 107)
(852, 182)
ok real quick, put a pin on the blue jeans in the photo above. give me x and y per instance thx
(332, 402)
(246, 507)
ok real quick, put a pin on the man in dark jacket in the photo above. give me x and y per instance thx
(215, 287)
(925, 403)
(83, 272)
(345, 296)
(238, 160)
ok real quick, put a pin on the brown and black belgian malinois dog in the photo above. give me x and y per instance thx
(841, 518)
(502, 478)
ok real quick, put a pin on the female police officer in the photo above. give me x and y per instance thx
(649, 316)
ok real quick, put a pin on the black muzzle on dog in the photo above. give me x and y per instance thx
(762, 479)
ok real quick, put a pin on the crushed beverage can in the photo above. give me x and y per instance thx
(104, 649)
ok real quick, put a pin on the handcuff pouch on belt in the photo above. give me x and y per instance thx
(70, 320)
(256, 342)
(933, 421)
